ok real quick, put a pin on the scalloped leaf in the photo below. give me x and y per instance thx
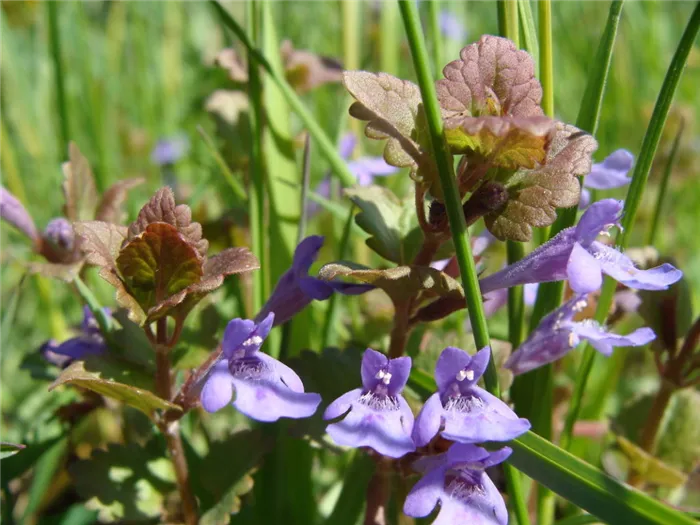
(228, 262)
(79, 188)
(101, 242)
(219, 489)
(492, 77)
(162, 208)
(125, 483)
(400, 283)
(391, 107)
(139, 398)
(535, 195)
(158, 264)
(390, 222)
(507, 142)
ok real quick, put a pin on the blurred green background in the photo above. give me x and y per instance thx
(137, 72)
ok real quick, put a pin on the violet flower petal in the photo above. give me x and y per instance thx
(612, 172)
(341, 405)
(604, 341)
(347, 145)
(583, 271)
(217, 391)
(622, 269)
(429, 421)
(16, 214)
(598, 218)
(388, 431)
(481, 417)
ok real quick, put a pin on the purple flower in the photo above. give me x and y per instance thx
(451, 27)
(611, 173)
(266, 389)
(59, 232)
(376, 415)
(574, 254)
(90, 341)
(296, 288)
(169, 150)
(16, 214)
(460, 410)
(365, 168)
(457, 481)
(558, 333)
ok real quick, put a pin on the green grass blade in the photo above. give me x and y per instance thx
(435, 36)
(634, 197)
(663, 186)
(56, 57)
(231, 179)
(546, 60)
(325, 145)
(256, 190)
(529, 32)
(443, 159)
(588, 487)
(353, 495)
(508, 20)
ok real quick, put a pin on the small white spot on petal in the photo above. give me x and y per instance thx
(580, 305)
(387, 378)
(470, 375)
(462, 375)
(379, 375)
(572, 339)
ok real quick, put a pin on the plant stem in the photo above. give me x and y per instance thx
(400, 331)
(634, 196)
(652, 425)
(663, 186)
(516, 299)
(171, 430)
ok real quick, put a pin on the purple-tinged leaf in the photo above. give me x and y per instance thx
(534, 195)
(162, 208)
(79, 187)
(158, 264)
(110, 207)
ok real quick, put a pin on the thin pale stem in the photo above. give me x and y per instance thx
(546, 62)
(435, 36)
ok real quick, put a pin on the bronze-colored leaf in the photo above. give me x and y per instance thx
(400, 283)
(101, 244)
(110, 207)
(158, 264)
(146, 401)
(492, 77)
(507, 142)
(391, 107)
(79, 187)
(162, 208)
(534, 195)
(228, 262)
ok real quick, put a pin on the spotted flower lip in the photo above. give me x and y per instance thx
(574, 254)
(558, 333)
(457, 481)
(296, 288)
(460, 410)
(266, 389)
(376, 415)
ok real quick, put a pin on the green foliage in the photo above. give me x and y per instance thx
(391, 222)
(105, 377)
(125, 482)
